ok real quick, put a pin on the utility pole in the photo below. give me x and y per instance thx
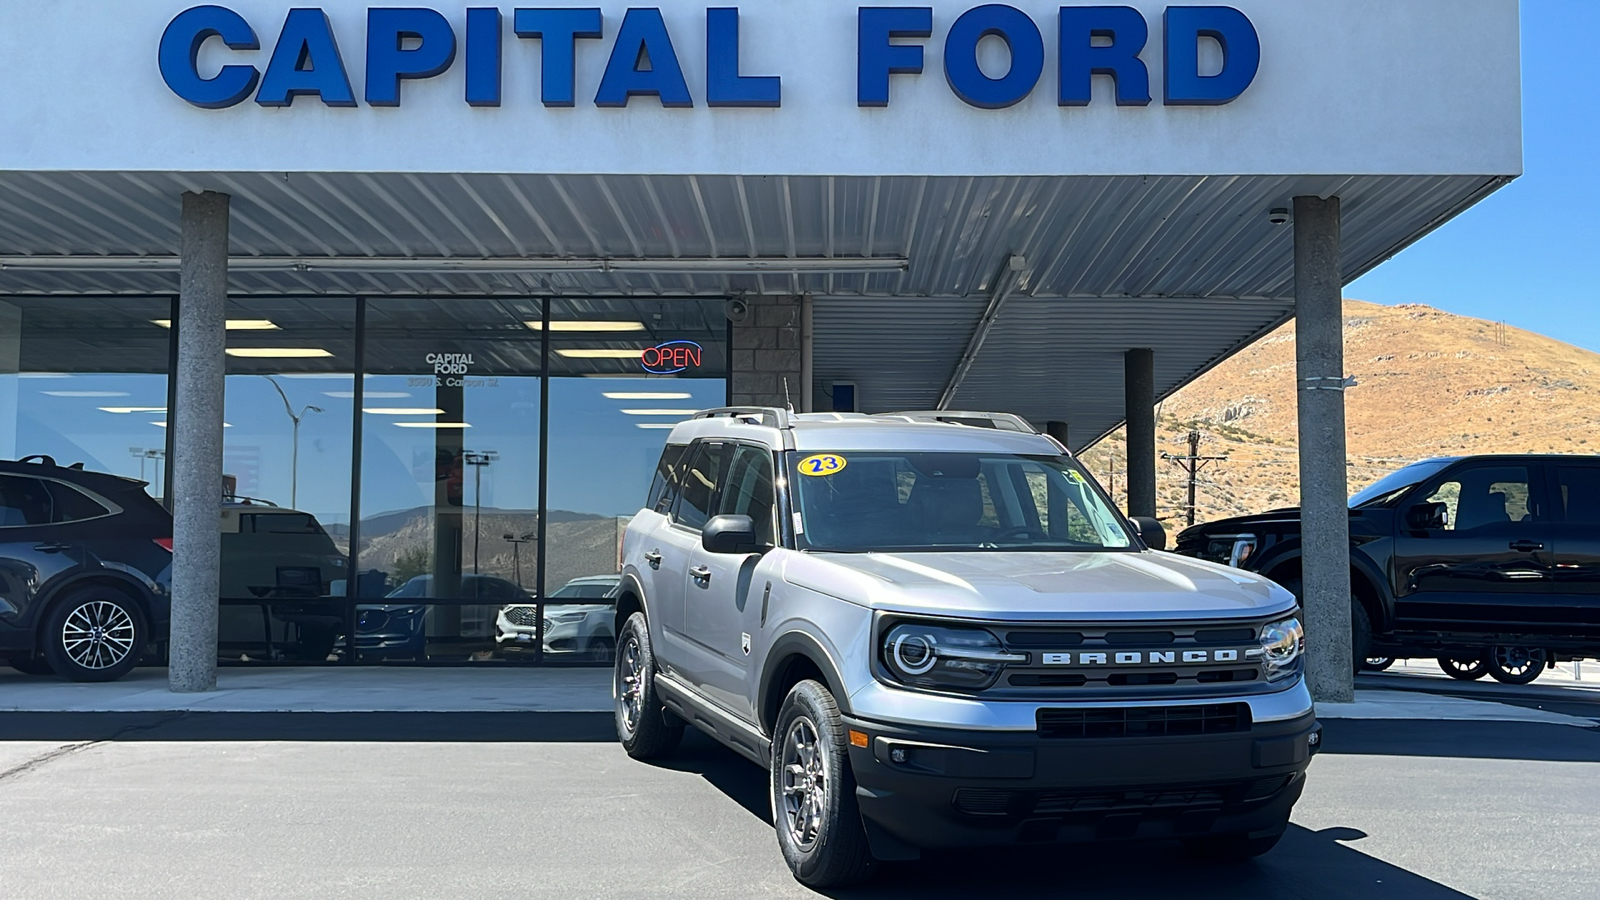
(1191, 465)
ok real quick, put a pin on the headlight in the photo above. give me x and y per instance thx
(1282, 642)
(945, 658)
(1231, 549)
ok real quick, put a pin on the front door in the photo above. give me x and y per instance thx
(1489, 568)
(35, 548)
(680, 542)
(722, 599)
(1575, 506)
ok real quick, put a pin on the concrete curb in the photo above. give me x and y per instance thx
(1415, 706)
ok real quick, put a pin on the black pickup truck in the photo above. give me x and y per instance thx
(1491, 564)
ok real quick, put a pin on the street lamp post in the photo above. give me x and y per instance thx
(294, 462)
(478, 459)
(516, 542)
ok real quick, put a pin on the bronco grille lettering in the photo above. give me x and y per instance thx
(1138, 657)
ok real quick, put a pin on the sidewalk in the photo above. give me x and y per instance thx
(1416, 706)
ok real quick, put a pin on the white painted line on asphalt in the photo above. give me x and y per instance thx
(1425, 707)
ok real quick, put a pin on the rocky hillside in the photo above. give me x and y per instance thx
(1428, 384)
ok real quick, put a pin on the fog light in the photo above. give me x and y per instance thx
(898, 755)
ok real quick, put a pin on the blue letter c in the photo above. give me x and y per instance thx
(179, 57)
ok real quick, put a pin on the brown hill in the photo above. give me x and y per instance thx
(1429, 383)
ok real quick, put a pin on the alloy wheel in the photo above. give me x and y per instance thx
(630, 665)
(805, 782)
(98, 634)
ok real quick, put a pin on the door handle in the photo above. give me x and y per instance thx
(653, 557)
(701, 574)
(52, 547)
(1526, 546)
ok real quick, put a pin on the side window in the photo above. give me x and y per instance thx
(1579, 503)
(699, 486)
(23, 501)
(664, 488)
(73, 505)
(1483, 498)
(749, 490)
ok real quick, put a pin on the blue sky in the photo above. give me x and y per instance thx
(1526, 255)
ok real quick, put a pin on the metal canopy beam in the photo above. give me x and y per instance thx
(1004, 284)
(436, 265)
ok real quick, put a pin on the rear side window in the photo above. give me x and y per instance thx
(23, 501)
(1579, 503)
(700, 486)
(73, 505)
(664, 488)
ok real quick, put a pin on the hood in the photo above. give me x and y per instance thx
(1040, 586)
(1289, 515)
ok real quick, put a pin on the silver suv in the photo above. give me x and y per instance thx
(935, 631)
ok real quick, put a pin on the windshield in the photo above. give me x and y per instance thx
(907, 501)
(585, 590)
(1388, 486)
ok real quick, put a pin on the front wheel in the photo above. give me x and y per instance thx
(645, 727)
(814, 792)
(1516, 665)
(1377, 663)
(94, 634)
(1464, 669)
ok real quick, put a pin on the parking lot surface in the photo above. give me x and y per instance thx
(176, 807)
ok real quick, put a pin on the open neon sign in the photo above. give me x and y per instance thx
(672, 357)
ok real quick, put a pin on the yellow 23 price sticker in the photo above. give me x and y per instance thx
(822, 464)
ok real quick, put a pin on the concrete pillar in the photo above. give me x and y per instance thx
(1058, 430)
(1325, 520)
(1139, 395)
(196, 425)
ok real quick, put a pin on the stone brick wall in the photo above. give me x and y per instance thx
(766, 350)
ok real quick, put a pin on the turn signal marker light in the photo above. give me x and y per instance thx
(858, 739)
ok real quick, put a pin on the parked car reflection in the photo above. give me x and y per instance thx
(578, 620)
(399, 630)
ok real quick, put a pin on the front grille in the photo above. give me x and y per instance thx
(1160, 800)
(1144, 721)
(526, 616)
(1156, 660)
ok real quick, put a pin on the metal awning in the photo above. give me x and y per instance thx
(901, 268)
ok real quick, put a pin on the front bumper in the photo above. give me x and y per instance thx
(933, 788)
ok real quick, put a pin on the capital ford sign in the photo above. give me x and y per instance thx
(641, 60)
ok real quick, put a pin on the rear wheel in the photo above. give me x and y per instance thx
(814, 792)
(646, 729)
(30, 664)
(1464, 669)
(1516, 665)
(94, 634)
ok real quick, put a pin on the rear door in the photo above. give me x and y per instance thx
(1575, 504)
(35, 548)
(1490, 568)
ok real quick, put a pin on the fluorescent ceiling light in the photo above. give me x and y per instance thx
(234, 324)
(432, 425)
(163, 424)
(86, 393)
(600, 354)
(645, 395)
(537, 325)
(655, 424)
(659, 412)
(367, 395)
(277, 352)
(401, 411)
(124, 410)
(43, 375)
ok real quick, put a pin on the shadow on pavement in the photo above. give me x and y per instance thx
(1461, 740)
(1307, 864)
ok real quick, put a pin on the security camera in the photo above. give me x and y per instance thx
(737, 310)
(1279, 216)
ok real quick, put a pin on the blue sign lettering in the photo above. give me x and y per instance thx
(413, 43)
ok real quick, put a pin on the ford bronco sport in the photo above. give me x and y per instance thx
(939, 635)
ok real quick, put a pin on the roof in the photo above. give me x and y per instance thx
(847, 432)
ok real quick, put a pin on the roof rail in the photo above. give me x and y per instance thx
(996, 420)
(768, 416)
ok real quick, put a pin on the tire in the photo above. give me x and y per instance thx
(814, 809)
(646, 729)
(1464, 669)
(30, 664)
(1516, 665)
(1360, 625)
(601, 650)
(1376, 663)
(1233, 848)
(94, 634)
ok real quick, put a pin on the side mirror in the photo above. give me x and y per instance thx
(1151, 532)
(1428, 517)
(730, 534)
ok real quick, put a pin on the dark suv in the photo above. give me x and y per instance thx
(1489, 563)
(85, 570)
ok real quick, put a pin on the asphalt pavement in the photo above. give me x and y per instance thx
(196, 805)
